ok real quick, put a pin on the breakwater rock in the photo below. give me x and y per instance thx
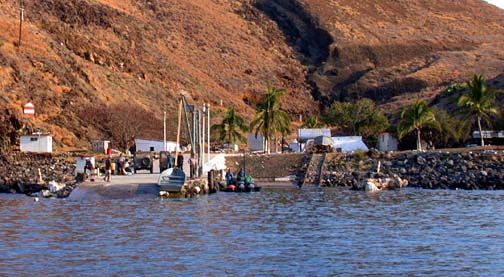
(429, 170)
(376, 184)
(33, 173)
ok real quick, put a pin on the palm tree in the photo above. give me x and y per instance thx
(311, 121)
(452, 130)
(229, 130)
(479, 103)
(270, 118)
(415, 118)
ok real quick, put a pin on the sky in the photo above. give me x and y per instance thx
(498, 3)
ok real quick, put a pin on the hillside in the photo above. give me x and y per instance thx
(391, 50)
(80, 55)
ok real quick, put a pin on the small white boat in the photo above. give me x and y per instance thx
(171, 180)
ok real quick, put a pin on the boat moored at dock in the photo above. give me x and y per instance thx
(171, 180)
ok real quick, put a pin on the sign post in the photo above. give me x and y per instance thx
(29, 109)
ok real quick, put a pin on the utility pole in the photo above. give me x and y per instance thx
(208, 117)
(203, 114)
(199, 118)
(21, 19)
(164, 130)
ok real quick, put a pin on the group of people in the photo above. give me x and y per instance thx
(240, 176)
(170, 160)
(121, 166)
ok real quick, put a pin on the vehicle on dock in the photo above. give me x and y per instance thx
(320, 145)
(171, 180)
(143, 160)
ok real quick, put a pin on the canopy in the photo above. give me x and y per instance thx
(348, 144)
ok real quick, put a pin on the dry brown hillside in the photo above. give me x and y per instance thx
(390, 50)
(76, 54)
(142, 53)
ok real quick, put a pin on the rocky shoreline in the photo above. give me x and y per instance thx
(478, 170)
(32, 174)
(53, 175)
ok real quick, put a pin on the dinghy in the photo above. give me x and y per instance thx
(171, 180)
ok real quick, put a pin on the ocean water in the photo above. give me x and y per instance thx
(277, 232)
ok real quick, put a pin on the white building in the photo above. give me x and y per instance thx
(349, 144)
(387, 142)
(36, 143)
(100, 146)
(295, 146)
(488, 134)
(154, 145)
(255, 144)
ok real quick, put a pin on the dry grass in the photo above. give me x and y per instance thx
(145, 52)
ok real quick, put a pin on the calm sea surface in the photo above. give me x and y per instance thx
(277, 232)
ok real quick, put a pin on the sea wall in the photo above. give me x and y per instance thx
(32, 173)
(428, 170)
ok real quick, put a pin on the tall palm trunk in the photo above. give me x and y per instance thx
(481, 131)
(419, 140)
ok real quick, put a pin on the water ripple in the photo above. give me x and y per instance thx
(278, 232)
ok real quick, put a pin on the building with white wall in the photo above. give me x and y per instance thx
(100, 146)
(387, 142)
(36, 143)
(255, 143)
(146, 145)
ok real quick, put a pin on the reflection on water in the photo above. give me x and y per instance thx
(278, 232)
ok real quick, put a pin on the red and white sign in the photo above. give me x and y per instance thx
(29, 109)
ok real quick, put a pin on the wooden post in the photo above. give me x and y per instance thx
(178, 133)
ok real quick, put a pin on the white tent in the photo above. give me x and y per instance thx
(348, 144)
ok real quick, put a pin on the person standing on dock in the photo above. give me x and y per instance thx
(121, 161)
(180, 161)
(193, 165)
(108, 169)
(169, 160)
(89, 169)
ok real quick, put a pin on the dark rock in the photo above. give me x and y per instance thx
(19, 172)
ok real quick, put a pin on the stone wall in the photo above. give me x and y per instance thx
(429, 170)
(19, 173)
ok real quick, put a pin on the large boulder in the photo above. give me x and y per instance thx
(377, 184)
